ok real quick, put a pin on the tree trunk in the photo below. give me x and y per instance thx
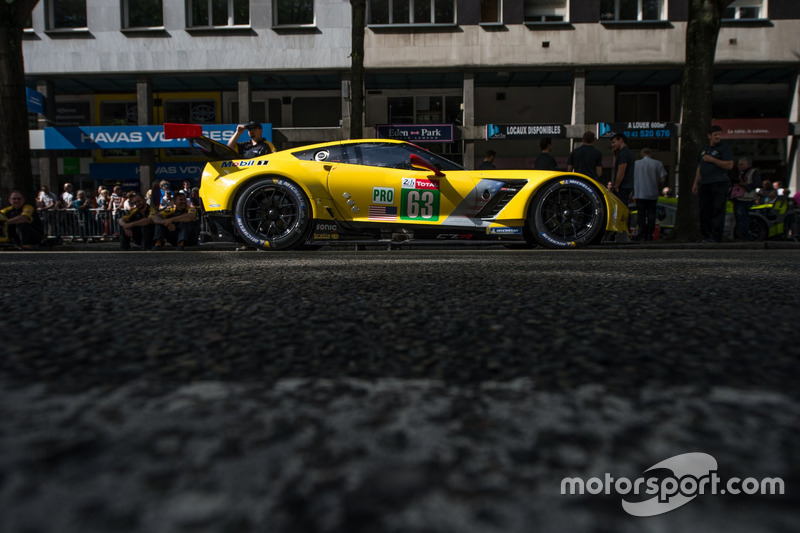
(359, 22)
(15, 155)
(702, 32)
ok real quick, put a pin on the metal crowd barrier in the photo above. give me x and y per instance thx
(71, 225)
(86, 225)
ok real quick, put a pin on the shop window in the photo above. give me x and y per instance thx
(119, 113)
(293, 12)
(218, 13)
(491, 11)
(637, 107)
(546, 10)
(401, 110)
(188, 112)
(66, 14)
(630, 10)
(257, 112)
(142, 14)
(317, 112)
(745, 10)
(411, 12)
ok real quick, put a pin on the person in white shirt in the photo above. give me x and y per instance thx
(649, 176)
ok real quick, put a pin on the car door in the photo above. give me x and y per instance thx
(379, 185)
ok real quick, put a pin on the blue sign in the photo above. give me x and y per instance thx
(421, 133)
(525, 131)
(129, 172)
(132, 137)
(35, 101)
(638, 130)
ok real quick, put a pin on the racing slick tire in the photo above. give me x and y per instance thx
(273, 214)
(566, 213)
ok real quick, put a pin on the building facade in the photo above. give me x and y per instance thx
(466, 69)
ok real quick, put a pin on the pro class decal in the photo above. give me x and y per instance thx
(419, 199)
(383, 195)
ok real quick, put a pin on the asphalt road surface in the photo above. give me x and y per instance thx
(403, 391)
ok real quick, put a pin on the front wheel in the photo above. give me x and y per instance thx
(566, 213)
(273, 213)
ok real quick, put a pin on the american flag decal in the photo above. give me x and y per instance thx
(382, 212)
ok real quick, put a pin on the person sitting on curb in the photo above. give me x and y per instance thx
(137, 225)
(22, 224)
(176, 225)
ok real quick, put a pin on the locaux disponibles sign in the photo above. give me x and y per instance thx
(525, 131)
(131, 137)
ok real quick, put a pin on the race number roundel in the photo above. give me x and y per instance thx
(419, 200)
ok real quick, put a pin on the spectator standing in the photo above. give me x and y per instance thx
(765, 193)
(624, 165)
(586, 159)
(166, 195)
(187, 188)
(666, 192)
(137, 226)
(46, 206)
(195, 200)
(747, 179)
(488, 161)
(711, 184)
(545, 161)
(648, 176)
(81, 206)
(23, 225)
(67, 197)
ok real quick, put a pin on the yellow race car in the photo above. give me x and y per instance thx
(380, 190)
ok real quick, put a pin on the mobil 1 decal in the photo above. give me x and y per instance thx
(419, 199)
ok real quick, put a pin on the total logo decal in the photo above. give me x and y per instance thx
(690, 475)
(420, 183)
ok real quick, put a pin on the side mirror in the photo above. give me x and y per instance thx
(418, 162)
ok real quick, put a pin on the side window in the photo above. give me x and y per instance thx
(66, 14)
(333, 154)
(142, 14)
(744, 10)
(218, 13)
(293, 12)
(383, 155)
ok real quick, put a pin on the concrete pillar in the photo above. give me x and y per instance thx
(246, 100)
(147, 158)
(48, 164)
(347, 98)
(793, 162)
(578, 98)
(468, 119)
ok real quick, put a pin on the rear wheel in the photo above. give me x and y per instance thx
(566, 213)
(273, 213)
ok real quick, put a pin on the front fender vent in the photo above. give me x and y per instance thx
(507, 191)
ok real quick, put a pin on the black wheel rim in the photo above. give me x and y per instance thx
(568, 213)
(272, 212)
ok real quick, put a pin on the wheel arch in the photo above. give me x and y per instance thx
(242, 186)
